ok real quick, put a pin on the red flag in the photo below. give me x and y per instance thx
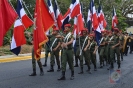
(43, 21)
(7, 18)
(80, 22)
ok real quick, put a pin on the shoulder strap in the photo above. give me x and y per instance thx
(53, 43)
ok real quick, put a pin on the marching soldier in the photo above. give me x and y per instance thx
(109, 46)
(106, 48)
(77, 50)
(126, 44)
(54, 48)
(114, 42)
(67, 53)
(131, 43)
(34, 64)
(102, 49)
(121, 37)
(47, 51)
(92, 50)
(84, 43)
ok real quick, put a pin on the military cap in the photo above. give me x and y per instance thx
(67, 25)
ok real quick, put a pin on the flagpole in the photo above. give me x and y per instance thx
(27, 9)
(18, 16)
(99, 2)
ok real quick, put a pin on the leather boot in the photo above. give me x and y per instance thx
(45, 64)
(34, 72)
(95, 68)
(81, 72)
(72, 75)
(41, 72)
(51, 69)
(119, 66)
(62, 76)
(89, 68)
(58, 68)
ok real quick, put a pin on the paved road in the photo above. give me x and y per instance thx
(15, 75)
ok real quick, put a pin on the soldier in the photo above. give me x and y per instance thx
(126, 44)
(106, 48)
(92, 50)
(84, 43)
(131, 43)
(102, 49)
(76, 51)
(114, 42)
(121, 37)
(54, 47)
(67, 53)
(47, 51)
(34, 64)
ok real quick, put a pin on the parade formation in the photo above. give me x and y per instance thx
(112, 48)
(76, 46)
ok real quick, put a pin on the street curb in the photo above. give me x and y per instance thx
(13, 58)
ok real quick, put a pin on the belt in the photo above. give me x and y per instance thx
(67, 48)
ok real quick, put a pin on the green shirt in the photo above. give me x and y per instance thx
(82, 39)
(92, 46)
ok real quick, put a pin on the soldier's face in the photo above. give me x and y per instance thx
(91, 38)
(54, 32)
(110, 34)
(67, 29)
(84, 32)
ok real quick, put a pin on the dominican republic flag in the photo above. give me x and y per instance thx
(73, 11)
(75, 32)
(58, 14)
(95, 24)
(101, 18)
(18, 38)
(26, 21)
(51, 10)
(114, 19)
(89, 18)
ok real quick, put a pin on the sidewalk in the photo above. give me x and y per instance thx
(12, 58)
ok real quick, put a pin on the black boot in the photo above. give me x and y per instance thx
(41, 72)
(89, 68)
(51, 69)
(111, 66)
(95, 68)
(58, 68)
(72, 75)
(76, 65)
(81, 72)
(119, 66)
(62, 76)
(45, 64)
(34, 72)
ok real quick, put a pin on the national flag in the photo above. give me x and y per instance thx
(18, 38)
(58, 14)
(95, 24)
(89, 18)
(114, 19)
(26, 21)
(42, 22)
(73, 11)
(7, 18)
(51, 10)
(101, 18)
(75, 32)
